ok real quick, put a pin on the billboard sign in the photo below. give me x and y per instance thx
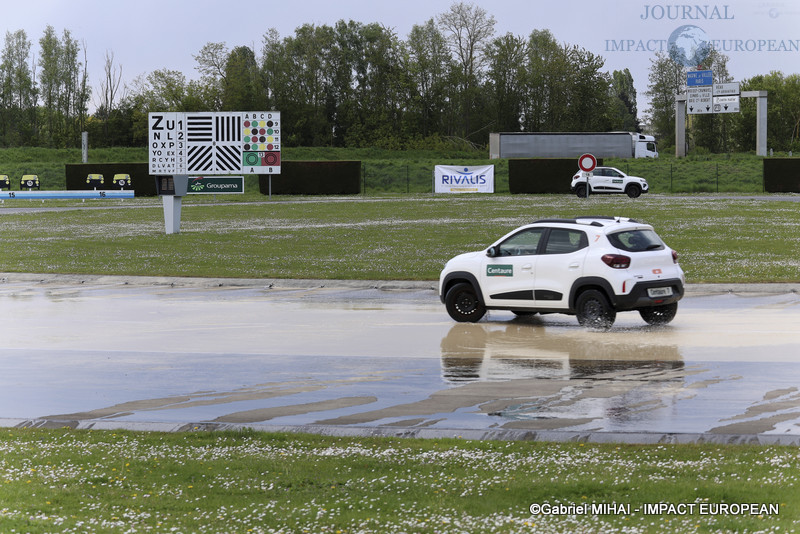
(214, 143)
(454, 179)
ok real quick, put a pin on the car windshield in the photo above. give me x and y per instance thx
(636, 240)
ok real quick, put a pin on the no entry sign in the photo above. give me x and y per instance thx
(587, 162)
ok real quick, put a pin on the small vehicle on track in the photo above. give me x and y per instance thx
(590, 267)
(608, 180)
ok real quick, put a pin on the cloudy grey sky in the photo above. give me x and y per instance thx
(758, 36)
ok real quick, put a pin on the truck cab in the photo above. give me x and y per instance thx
(645, 146)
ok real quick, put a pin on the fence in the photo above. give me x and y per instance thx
(398, 176)
(677, 176)
(685, 176)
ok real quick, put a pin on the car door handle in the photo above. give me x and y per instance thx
(527, 267)
(574, 265)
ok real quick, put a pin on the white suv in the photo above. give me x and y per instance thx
(608, 180)
(591, 267)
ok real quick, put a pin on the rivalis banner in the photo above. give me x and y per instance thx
(453, 179)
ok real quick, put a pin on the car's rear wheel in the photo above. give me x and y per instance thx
(633, 191)
(659, 315)
(462, 303)
(580, 191)
(594, 311)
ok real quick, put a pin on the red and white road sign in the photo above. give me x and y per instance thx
(587, 162)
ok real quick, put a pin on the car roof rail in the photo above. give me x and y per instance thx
(607, 218)
(595, 220)
(577, 220)
(553, 221)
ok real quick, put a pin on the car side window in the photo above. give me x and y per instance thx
(563, 241)
(522, 243)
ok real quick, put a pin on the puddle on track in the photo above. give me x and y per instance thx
(364, 357)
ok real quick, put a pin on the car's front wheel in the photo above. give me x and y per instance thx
(463, 305)
(633, 191)
(594, 311)
(659, 315)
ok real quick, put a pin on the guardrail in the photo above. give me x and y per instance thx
(65, 195)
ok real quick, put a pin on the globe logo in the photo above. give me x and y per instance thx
(689, 45)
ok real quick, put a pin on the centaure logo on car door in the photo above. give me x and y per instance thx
(499, 270)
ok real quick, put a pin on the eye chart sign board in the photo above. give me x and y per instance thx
(212, 143)
(240, 142)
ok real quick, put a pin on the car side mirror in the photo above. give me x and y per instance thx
(492, 252)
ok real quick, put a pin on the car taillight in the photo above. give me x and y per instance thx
(674, 257)
(616, 261)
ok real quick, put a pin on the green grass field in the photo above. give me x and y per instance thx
(101, 481)
(408, 237)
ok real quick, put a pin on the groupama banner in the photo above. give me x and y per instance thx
(454, 179)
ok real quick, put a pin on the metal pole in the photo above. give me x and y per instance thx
(85, 147)
(588, 188)
(680, 126)
(761, 119)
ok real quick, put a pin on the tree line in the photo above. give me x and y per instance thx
(351, 84)
(43, 102)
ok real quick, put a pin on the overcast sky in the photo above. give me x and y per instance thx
(758, 36)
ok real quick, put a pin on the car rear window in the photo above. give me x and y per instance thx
(636, 240)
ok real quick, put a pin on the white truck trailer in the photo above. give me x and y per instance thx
(571, 145)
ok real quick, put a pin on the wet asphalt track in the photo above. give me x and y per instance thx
(366, 358)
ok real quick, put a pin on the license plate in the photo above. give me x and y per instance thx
(656, 292)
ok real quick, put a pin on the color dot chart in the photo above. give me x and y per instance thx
(261, 137)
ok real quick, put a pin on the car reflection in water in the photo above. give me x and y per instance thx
(519, 349)
(602, 376)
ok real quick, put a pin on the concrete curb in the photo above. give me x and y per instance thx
(176, 281)
(280, 283)
(642, 438)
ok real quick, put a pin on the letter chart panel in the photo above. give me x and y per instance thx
(215, 143)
